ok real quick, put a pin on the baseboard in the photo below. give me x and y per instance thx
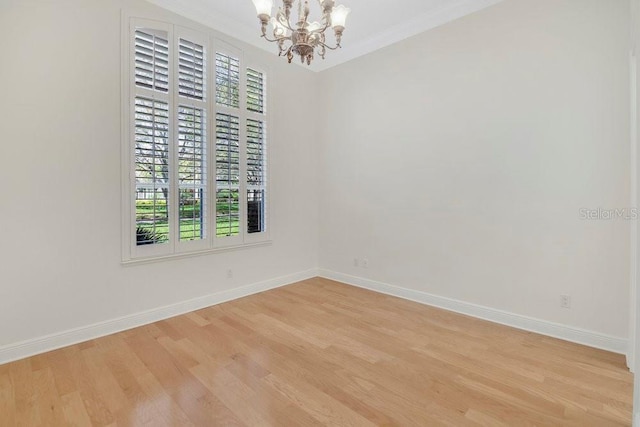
(20, 350)
(556, 330)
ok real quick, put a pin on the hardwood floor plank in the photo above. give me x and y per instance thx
(166, 409)
(281, 410)
(75, 413)
(24, 391)
(51, 408)
(94, 401)
(318, 353)
(321, 406)
(7, 401)
(62, 374)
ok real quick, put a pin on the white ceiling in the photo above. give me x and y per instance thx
(372, 24)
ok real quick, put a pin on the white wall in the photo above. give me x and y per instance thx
(457, 162)
(60, 212)
(635, 126)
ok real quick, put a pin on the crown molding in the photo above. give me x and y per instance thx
(395, 34)
(251, 35)
(216, 20)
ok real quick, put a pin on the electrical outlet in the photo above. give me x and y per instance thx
(229, 274)
(365, 263)
(565, 301)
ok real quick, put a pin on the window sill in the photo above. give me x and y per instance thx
(149, 260)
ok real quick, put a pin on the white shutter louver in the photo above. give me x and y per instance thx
(227, 81)
(227, 175)
(151, 60)
(191, 73)
(192, 177)
(151, 171)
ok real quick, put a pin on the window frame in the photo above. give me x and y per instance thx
(133, 253)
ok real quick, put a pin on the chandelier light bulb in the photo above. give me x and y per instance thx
(339, 17)
(263, 8)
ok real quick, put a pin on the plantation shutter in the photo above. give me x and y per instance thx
(255, 91)
(151, 171)
(192, 177)
(152, 60)
(227, 81)
(256, 176)
(191, 66)
(256, 153)
(228, 153)
(191, 141)
(151, 124)
(227, 175)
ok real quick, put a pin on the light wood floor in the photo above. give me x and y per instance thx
(319, 353)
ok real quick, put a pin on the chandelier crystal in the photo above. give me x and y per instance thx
(304, 38)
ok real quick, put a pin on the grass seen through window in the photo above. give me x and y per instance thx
(151, 216)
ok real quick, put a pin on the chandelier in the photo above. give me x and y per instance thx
(304, 38)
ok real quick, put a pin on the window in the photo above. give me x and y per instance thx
(196, 146)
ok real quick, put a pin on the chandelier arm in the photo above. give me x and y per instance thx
(336, 47)
(264, 34)
(323, 50)
(321, 30)
(285, 22)
(279, 39)
(326, 23)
